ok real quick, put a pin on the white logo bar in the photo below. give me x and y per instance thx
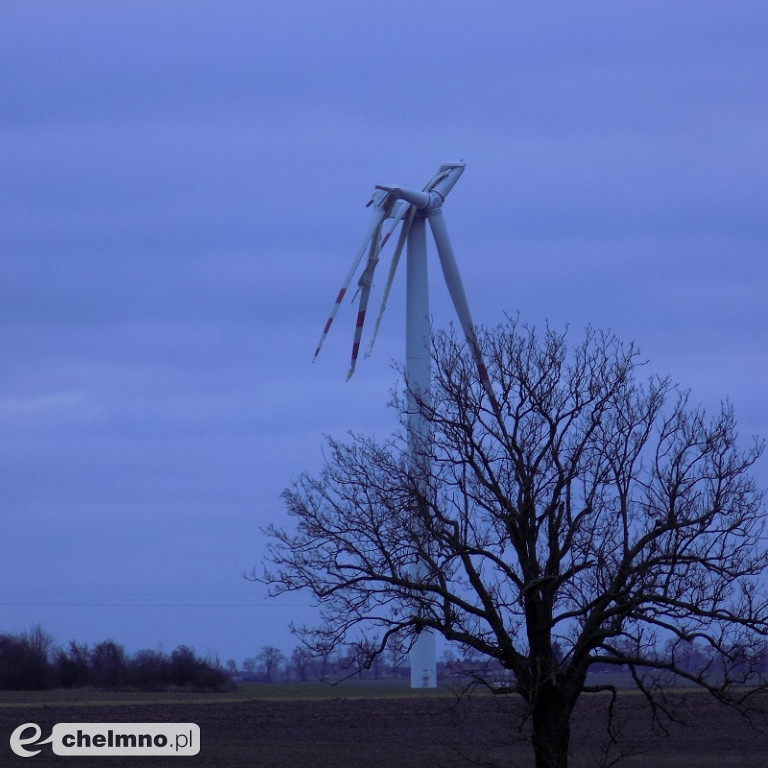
(95, 739)
(126, 739)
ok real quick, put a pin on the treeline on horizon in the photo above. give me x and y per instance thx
(31, 661)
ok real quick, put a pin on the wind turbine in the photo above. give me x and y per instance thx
(391, 206)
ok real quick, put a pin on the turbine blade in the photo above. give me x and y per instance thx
(391, 276)
(399, 210)
(372, 232)
(365, 283)
(413, 201)
(442, 172)
(416, 197)
(446, 177)
(459, 297)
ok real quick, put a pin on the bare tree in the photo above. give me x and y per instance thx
(397, 651)
(108, 662)
(249, 667)
(302, 662)
(270, 659)
(585, 515)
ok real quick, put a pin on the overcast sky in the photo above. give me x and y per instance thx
(182, 190)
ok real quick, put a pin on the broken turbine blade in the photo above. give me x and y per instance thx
(391, 276)
(374, 228)
(365, 283)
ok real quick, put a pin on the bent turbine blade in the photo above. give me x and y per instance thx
(399, 210)
(456, 290)
(391, 276)
(365, 283)
(417, 197)
(374, 227)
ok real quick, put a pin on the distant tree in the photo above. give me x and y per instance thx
(302, 662)
(38, 643)
(580, 516)
(72, 665)
(364, 655)
(397, 651)
(471, 660)
(24, 660)
(326, 653)
(270, 660)
(148, 669)
(183, 666)
(182, 669)
(249, 667)
(28, 662)
(108, 664)
(448, 664)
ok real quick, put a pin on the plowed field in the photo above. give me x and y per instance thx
(411, 730)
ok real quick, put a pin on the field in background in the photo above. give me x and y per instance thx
(351, 689)
(302, 725)
(385, 688)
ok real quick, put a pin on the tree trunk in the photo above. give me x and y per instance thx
(551, 719)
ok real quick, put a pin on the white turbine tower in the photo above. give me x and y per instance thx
(392, 205)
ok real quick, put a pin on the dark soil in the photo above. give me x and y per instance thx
(397, 732)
